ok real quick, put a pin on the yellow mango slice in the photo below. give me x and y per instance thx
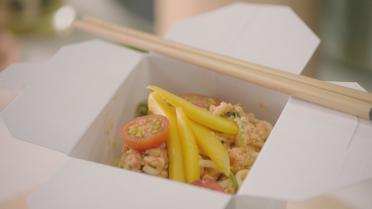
(198, 114)
(189, 147)
(212, 147)
(157, 106)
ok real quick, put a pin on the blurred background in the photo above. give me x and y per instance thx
(33, 30)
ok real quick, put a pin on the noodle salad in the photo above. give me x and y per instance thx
(194, 139)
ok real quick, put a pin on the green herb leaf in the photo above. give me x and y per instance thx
(233, 114)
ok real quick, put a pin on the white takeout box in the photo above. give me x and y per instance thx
(63, 124)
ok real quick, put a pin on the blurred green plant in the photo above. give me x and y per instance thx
(28, 16)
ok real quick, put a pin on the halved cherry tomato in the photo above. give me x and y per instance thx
(209, 184)
(201, 100)
(145, 132)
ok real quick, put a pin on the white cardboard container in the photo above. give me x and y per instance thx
(69, 110)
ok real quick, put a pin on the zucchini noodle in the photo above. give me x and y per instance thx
(207, 164)
(150, 170)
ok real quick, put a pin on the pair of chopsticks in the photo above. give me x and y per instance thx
(336, 97)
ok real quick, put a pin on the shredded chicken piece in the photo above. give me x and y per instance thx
(156, 162)
(242, 158)
(263, 129)
(252, 136)
(255, 134)
(153, 161)
(224, 107)
(131, 159)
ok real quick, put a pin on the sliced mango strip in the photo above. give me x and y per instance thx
(212, 147)
(198, 114)
(176, 168)
(189, 147)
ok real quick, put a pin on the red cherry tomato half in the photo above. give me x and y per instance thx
(201, 100)
(145, 132)
(209, 184)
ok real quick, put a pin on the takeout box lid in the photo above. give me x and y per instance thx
(68, 99)
(311, 149)
(270, 35)
(123, 60)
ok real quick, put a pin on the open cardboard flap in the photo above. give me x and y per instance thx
(24, 166)
(311, 150)
(83, 184)
(330, 142)
(269, 35)
(73, 90)
(59, 99)
(307, 132)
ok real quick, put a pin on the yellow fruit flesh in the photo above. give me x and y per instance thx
(198, 114)
(212, 147)
(189, 147)
(176, 168)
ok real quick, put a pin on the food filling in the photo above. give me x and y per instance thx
(195, 139)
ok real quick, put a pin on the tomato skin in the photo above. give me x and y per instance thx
(148, 140)
(201, 100)
(209, 184)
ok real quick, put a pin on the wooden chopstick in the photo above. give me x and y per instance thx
(237, 69)
(250, 66)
